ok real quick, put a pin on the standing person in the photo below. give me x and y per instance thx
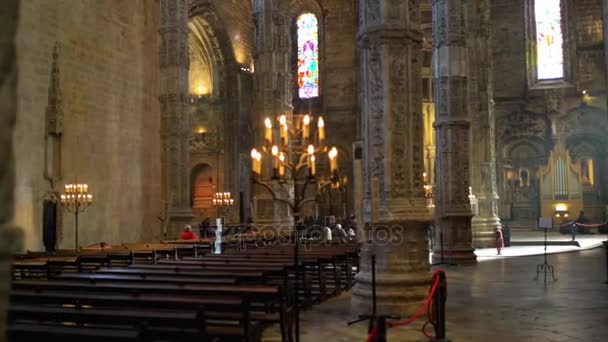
(187, 234)
(500, 241)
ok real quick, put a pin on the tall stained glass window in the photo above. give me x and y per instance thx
(308, 56)
(549, 39)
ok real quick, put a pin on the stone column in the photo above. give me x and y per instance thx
(481, 108)
(11, 239)
(390, 44)
(605, 17)
(272, 91)
(452, 127)
(175, 125)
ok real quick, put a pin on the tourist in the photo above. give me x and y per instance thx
(350, 232)
(500, 241)
(327, 234)
(187, 234)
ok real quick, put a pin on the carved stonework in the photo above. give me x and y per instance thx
(452, 124)
(54, 109)
(175, 125)
(391, 117)
(518, 124)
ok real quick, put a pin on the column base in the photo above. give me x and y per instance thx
(455, 256)
(484, 230)
(403, 277)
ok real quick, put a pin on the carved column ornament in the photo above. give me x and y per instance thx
(390, 43)
(452, 125)
(175, 125)
(481, 108)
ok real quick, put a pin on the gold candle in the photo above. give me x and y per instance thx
(321, 127)
(268, 131)
(333, 159)
(281, 164)
(284, 134)
(306, 127)
(313, 165)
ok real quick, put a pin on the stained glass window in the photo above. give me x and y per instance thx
(549, 40)
(308, 56)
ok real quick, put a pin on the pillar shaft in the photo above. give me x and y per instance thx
(11, 239)
(483, 147)
(452, 127)
(175, 125)
(390, 42)
(272, 93)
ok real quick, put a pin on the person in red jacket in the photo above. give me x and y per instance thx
(187, 234)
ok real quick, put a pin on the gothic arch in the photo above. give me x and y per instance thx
(535, 144)
(211, 52)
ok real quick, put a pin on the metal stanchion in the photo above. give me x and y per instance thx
(606, 248)
(439, 300)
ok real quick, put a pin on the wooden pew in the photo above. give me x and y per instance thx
(221, 309)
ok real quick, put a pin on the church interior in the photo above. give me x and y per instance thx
(269, 170)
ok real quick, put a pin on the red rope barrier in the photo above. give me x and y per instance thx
(426, 306)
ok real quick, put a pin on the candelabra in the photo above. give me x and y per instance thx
(76, 199)
(222, 201)
(290, 154)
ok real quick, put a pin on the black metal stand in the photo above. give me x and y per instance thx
(606, 248)
(375, 320)
(439, 310)
(297, 277)
(545, 267)
(441, 260)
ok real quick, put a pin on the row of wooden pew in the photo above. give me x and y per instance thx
(171, 292)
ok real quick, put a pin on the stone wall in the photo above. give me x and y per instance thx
(109, 77)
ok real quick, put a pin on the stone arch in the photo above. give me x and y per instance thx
(210, 50)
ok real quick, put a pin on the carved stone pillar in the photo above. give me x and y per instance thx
(606, 36)
(11, 238)
(390, 43)
(481, 108)
(272, 91)
(175, 125)
(452, 127)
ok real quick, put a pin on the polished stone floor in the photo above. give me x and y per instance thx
(497, 300)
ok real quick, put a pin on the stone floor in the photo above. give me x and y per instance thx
(584, 241)
(496, 301)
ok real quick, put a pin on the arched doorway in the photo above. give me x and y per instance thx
(522, 184)
(202, 182)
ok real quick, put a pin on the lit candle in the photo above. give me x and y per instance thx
(90, 198)
(275, 154)
(258, 158)
(254, 155)
(85, 187)
(333, 160)
(283, 120)
(321, 126)
(282, 164)
(313, 165)
(284, 134)
(268, 131)
(306, 127)
(62, 198)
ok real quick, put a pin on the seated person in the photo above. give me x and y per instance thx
(187, 234)
(351, 232)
